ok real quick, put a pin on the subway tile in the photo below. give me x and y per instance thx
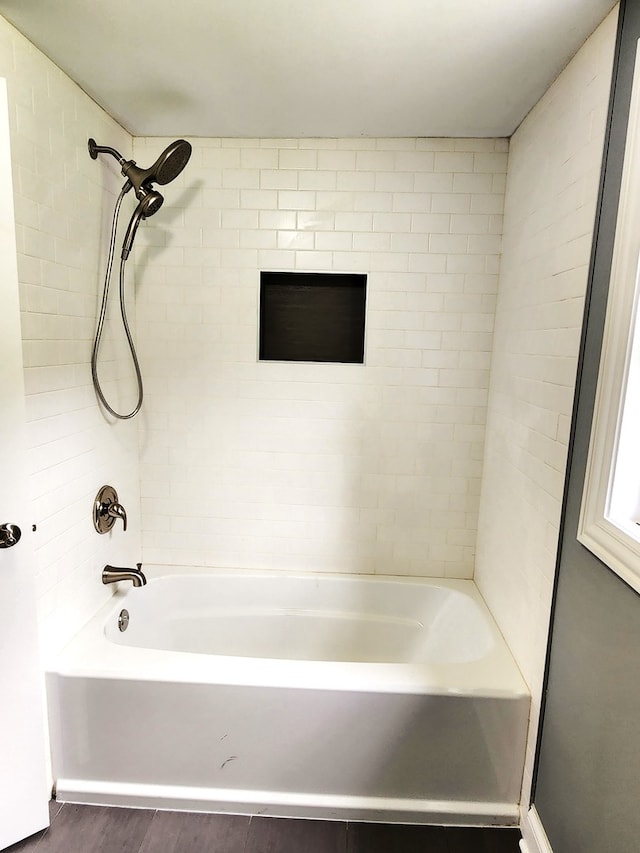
(296, 200)
(333, 241)
(335, 201)
(450, 161)
(347, 221)
(275, 179)
(220, 198)
(313, 260)
(469, 223)
(448, 243)
(375, 161)
(373, 201)
(359, 143)
(423, 340)
(315, 180)
(236, 219)
(393, 143)
(388, 222)
(388, 262)
(317, 220)
(480, 283)
(220, 158)
(459, 203)
(370, 242)
(424, 301)
(318, 143)
(258, 158)
(411, 202)
(484, 244)
(276, 260)
(241, 178)
(474, 183)
(278, 143)
(395, 182)
(430, 223)
(428, 263)
(357, 181)
(415, 161)
(351, 261)
(336, 160)
(277, 219)
(433, 182)
(258, 239)
(487, 202)
(473, 265)
(258, 199)
(242, 258)
(296, 240)
(295, 158)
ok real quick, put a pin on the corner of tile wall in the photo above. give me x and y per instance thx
(554, 168)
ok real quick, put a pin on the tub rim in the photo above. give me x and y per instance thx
(90, 654)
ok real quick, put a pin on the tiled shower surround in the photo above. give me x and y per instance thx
(327, 467)
(359, 468)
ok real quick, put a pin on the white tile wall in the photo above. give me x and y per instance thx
(554, 169)
(350, 468)
(63, 202)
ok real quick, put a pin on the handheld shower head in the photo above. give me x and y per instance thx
(150, 203)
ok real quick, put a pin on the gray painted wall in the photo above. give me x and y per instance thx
(587, 789)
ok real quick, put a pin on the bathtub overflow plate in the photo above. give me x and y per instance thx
(123, 620)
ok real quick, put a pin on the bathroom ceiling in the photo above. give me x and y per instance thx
(292, 68)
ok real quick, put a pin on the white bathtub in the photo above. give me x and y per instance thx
(359, 698)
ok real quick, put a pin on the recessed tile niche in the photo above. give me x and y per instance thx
(312, 317)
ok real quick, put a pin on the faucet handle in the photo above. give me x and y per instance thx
(106, 509)
(116, 510)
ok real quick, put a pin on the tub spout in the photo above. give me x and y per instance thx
(113, 574)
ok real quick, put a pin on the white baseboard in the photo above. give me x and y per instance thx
(534, 838)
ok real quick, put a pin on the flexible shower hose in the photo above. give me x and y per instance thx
(123, 313)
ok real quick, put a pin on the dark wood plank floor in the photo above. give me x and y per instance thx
(94, 829)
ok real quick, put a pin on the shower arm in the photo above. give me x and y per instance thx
(95, 149)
